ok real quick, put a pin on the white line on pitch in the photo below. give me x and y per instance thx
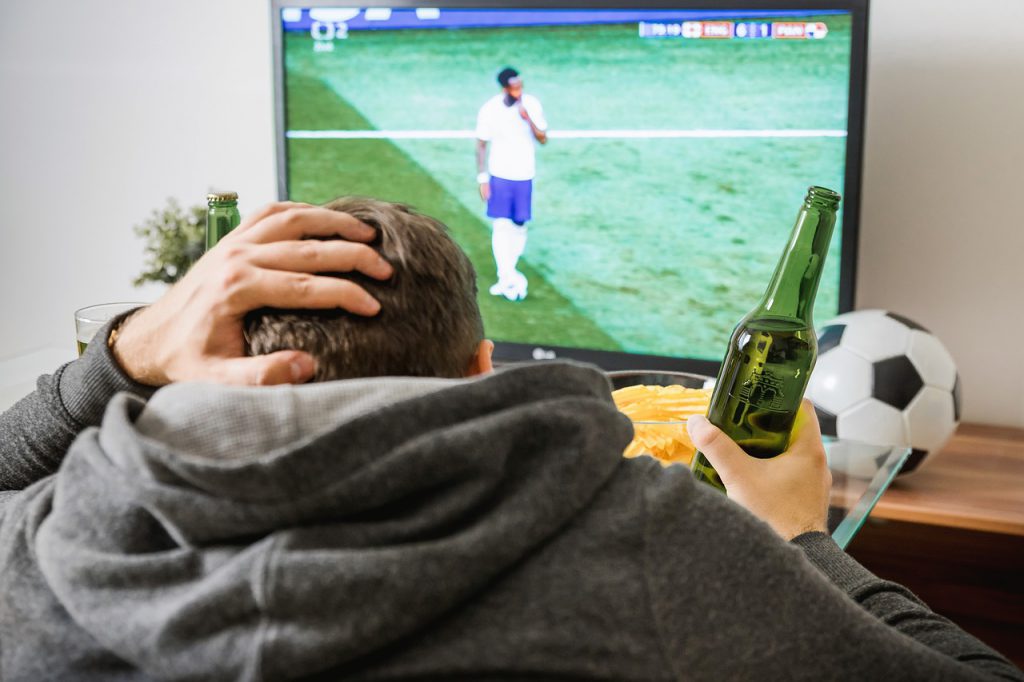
(563, 134)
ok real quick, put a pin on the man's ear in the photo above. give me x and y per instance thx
(481, 362)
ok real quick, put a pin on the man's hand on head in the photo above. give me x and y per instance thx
(194, 331)
(789, 492)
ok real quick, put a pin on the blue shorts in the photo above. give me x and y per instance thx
(510, 199)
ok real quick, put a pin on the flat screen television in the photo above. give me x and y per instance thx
(679, 139)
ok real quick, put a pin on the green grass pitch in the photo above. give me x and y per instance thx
(645, 245)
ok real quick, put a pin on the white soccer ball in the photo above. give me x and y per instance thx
(883, 379)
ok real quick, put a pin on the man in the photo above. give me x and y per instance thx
(510, 122)
(404, 527)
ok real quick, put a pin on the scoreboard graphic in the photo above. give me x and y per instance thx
(718, 30)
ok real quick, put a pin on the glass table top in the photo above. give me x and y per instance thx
(860, 474)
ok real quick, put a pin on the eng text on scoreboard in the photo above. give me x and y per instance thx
(727, 30)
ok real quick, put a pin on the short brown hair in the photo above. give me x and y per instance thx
(429, 323)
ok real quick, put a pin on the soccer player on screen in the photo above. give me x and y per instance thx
(512, 122)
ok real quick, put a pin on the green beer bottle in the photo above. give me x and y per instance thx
(772, 350)
(222, 216)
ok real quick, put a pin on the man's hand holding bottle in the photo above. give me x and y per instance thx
(789, 492)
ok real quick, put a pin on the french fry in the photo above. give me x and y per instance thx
(658, 413)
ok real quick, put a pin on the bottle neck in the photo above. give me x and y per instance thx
(793, 287)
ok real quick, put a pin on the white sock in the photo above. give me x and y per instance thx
(503, 246)
(517, 241)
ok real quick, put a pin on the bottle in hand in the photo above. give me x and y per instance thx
(773, 349)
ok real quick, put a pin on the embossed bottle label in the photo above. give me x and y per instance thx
(764, 388)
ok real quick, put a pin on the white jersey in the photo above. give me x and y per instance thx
(511, 140)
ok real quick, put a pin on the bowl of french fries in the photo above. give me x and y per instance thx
(658, 404)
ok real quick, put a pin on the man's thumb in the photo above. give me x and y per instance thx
(282, 367)
(723, 452)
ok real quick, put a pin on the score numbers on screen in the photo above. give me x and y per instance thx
(751, 29)
(718, 30)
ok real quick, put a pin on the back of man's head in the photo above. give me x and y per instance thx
(429, 323)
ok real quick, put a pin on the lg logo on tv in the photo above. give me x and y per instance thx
(543, 354)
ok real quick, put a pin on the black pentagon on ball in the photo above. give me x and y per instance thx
(956, 399)
(827, 421)
(907, 321)
(830, 337)
(913, 461)
(896, 381)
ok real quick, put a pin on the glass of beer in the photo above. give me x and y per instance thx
(88, 320)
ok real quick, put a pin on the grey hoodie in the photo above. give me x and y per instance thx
(412, 529)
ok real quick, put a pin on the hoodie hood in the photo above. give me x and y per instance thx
(224, 532)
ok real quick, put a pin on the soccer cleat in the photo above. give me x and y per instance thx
(513, 289)
(522, 284)
(506, 289)
(517, 288)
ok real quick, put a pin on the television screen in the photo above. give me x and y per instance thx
(624, 181)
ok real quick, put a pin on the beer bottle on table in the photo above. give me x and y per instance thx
(772, 350)
(222, 216)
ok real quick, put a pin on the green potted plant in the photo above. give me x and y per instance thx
(175, 239)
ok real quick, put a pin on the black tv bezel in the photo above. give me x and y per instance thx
(612, 360)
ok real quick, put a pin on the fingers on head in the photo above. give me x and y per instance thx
(313, 256)
(234, 286)
(361, 257)
(266, 211)
(241, 287)
(297, 222)
(278, 289)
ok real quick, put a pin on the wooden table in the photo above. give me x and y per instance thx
(976, 483)
(953, 533)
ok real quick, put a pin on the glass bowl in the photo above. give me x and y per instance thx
(633, 377)
(667, 441)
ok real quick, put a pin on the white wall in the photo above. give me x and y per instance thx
(110, 107)
(942, 231)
